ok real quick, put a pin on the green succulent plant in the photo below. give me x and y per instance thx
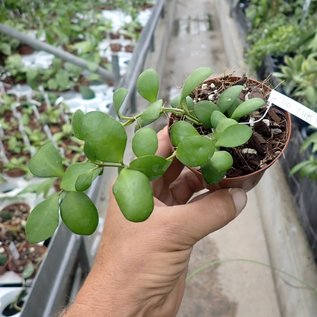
(105, 141)
(308, 168)
(299, 80)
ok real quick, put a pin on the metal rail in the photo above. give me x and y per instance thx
(66, 56)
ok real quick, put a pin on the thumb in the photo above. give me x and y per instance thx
(210, 212)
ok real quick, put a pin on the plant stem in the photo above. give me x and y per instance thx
(173, 110)
(130, 120)
(184, 105)
(171, 156)
(182, 112)
(191, 118)
(111, 164)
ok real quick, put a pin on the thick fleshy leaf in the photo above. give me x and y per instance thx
(195, 79)
(134, 195)
(233, 107)
(234, 135)
(211, 175)
(89, 152)
(217, 166)
(43, 220)
(105, 137)
(224, 124)
(150, 114)
(195, 150)
(118, 98)
(84, 181)
(228, 97)
(79, 213)
(148, 84)
(203, 110)
(221, 161)
(77, 124)
(175, 102)
(151, 165)
(190, 104)
(47, 162)
(180, 130)
(216, 117)
(247, 107)
(73, 172)
(144, 142)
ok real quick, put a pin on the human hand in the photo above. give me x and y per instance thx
(140, 268)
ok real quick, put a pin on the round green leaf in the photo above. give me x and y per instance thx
(105, 137)
(43, 220)
(144, 142)
(228, 97)
(234, 135)
(221, 160)
(148, 84)
(89, 152)
(195, 79)
(190, 104)
(203, 110)
(151, 165)
(134, 195)
(216, 117)
(47, 162)
(77, 124)
(224, 124)
(180, 130)
(217, 166)
(195, 150)
(175, 102)
(247, 107)
(211, 175)
(118, 98)
(79, 213)
(84, 181)
(73, 172)
(233, 107)
(150, 114)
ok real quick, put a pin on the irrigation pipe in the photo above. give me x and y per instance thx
(66, 56)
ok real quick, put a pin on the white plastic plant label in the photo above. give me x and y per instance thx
(293, 107)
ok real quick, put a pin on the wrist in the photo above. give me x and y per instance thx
(103, 295)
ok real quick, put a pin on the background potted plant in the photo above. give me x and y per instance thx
(211, 125)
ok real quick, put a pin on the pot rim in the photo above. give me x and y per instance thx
(287, 117)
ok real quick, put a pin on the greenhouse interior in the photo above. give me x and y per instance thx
(130, 133)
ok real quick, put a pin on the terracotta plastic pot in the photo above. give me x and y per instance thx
(246, 182)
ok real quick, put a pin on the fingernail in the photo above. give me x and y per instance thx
(239, 198)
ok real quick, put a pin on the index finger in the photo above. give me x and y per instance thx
(165, 149)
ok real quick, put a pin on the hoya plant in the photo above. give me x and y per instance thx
(200, 132)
